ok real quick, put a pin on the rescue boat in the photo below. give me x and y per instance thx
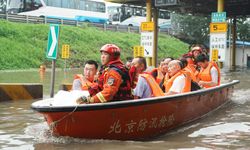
(133, 119)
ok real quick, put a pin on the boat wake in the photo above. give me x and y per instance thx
(241, 96)
(42, 134)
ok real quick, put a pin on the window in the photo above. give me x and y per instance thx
(3, 6)
(164, 14)
(82, 5)
(55, 3)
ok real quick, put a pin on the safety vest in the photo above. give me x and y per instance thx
(187, 87)
(190, 68)
(155, 88)
(103, 94)
(159, 77)
(204, 74)
(85, 84)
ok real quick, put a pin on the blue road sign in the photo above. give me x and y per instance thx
(219, 16)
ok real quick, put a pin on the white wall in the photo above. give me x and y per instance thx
(240, 60)
(241, 55)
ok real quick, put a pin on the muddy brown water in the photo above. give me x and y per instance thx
(226, 128)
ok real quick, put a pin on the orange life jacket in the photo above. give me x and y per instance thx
(159, 77)
(204, 74)
(187, 87)
(113, 84)
(85, 83)
(190, 68)
(155, 88)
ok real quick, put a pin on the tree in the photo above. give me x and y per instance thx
(191, 29)
(243, 29)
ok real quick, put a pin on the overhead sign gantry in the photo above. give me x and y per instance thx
(232, 8)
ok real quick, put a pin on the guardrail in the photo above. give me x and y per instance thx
(45, 20)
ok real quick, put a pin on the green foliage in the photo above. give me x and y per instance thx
(193, 29)
(23, 46)
(243, 29)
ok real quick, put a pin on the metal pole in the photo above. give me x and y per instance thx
(220, 7)
(149, 19)
(234, 42)
(65, 69)
(155, 18)
(52, 78)
(230, 43)
(149, 10)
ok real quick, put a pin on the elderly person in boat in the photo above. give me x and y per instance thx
(209, 75)
(85, 80)
(138, 66)
(113, 81)
(179, 81)
(147, 85)
(160, 72)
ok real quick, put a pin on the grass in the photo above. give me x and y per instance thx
(23, 46)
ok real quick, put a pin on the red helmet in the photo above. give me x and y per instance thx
(113, 50)
(197, 48)
(187, 55)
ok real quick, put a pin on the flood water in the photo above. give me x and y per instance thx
(226, 128)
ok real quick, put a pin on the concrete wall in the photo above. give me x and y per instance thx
(20, 91)
(241, 56)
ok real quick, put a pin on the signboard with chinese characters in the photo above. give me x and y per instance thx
(138, 51)
(215, 55)
(218, 27)
(147, 26)
(219, 16)
(65, 51)
(218, 42)
(147, 41)
(165, 2)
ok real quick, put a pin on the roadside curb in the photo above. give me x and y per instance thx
(66, 86)
(20, 91)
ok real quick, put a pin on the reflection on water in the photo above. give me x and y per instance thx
(222, 129)
(227, 128)
(34, 76)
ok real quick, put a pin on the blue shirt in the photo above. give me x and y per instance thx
(142, 88)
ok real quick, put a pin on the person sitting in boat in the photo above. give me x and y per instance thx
(180, 81)
(147, 87)
(196, 51)
(194, 85)
(129, 62)
(113, 81)
(85, 80)
(144, 84)
(209, 75)
(138, 66)
(190, 67)
(160, 72)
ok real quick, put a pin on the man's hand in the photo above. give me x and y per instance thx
(201, 83)
(83, 100)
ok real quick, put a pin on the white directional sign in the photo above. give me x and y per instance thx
(147, 41)
(218, 42)
(53, 38)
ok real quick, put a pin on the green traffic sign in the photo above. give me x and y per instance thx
(53, 38)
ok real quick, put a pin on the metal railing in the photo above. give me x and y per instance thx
(45, 20)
